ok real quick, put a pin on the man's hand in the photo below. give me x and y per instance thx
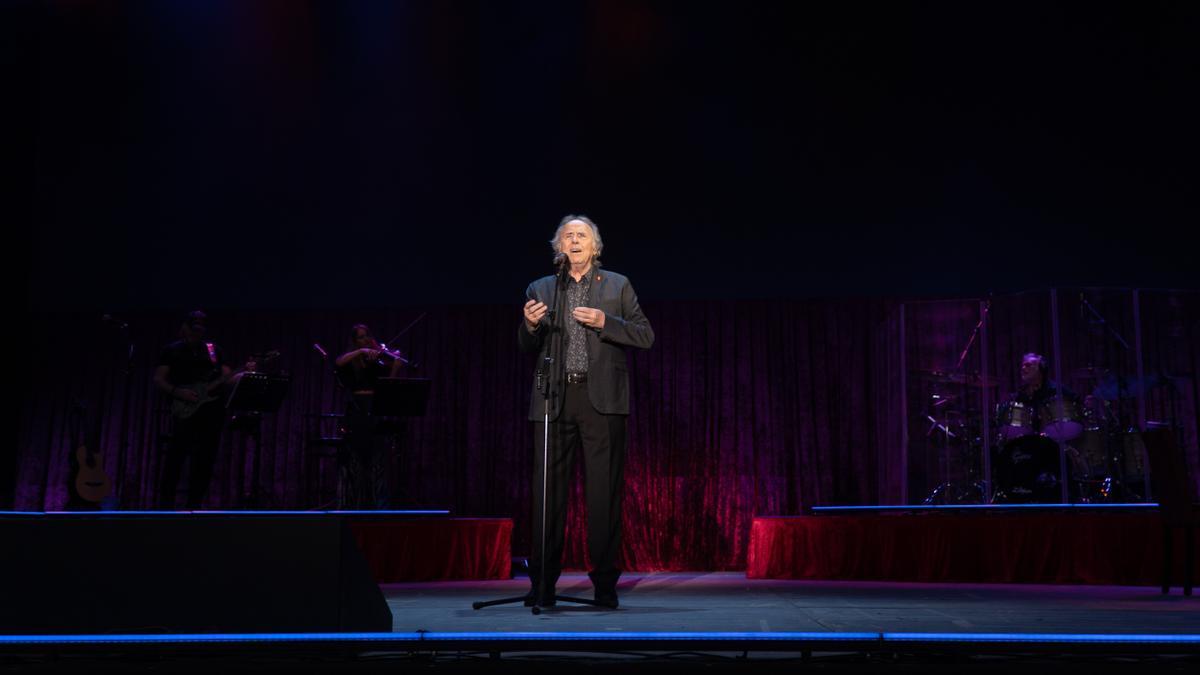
(534, 311)
(592, 318)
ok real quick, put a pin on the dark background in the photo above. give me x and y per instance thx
(328, 154)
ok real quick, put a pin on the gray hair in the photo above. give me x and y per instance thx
(587, 221)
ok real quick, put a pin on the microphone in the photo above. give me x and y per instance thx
(320, 350)
(560, 262)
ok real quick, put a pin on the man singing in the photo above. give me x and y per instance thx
(588, 404)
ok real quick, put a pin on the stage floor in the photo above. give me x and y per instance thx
(728, 601)
(726, 622)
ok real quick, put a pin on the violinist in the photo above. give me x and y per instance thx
(367, 360)
(362, 465)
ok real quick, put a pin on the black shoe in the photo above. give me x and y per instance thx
(605, 584)
(548, 601)
(607, 598)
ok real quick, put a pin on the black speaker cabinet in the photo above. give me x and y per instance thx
(186, 573)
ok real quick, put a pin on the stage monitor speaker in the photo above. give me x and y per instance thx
(214, 573)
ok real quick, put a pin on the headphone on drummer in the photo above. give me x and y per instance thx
(1043, 369)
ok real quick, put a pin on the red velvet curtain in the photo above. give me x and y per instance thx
(740, 409)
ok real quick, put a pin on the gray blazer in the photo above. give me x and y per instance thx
(608, 372)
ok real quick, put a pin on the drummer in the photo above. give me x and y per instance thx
(1040, 417)
(1038, 392)
(1036, 387)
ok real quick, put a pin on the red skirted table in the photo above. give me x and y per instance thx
(1057, 548)
(435, 549)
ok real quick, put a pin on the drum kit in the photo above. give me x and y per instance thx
(1032, 442)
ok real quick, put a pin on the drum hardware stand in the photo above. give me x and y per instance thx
(951, 489)
(955, 491)
(1116, 455)
(944, 489)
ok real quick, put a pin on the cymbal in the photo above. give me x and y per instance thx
(965, 378)
(1114, 388)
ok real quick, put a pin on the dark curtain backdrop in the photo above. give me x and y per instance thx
(740, 409)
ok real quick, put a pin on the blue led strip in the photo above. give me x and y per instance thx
(216, 638)
(642, 636)
(1043, 638)
(92, 514)
(608, 636)
(983, 507)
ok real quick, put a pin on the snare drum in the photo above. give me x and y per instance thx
(1013, 420)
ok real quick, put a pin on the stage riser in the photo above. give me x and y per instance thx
(1099, 548)
(436, 549)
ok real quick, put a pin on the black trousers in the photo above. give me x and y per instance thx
(197, 437)
(601, 438)
(363, 460)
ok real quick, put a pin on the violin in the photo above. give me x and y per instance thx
(387, 357)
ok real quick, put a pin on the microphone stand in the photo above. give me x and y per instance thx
(1104, 322)
(974, 334)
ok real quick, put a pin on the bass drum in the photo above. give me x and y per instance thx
(1027, 471)
(1094, 451)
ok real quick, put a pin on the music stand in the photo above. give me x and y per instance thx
(395, 400)
(253, 394)
(400, 397)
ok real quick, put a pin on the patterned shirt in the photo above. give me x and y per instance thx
(577, 296)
